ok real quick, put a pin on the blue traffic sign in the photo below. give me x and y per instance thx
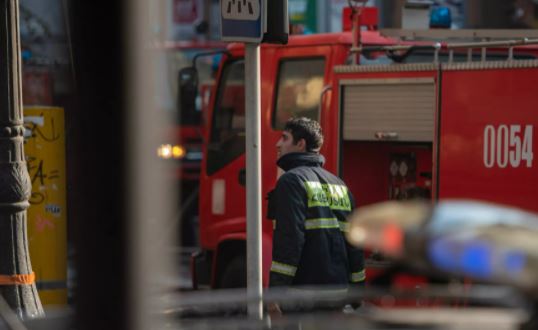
(242, 20)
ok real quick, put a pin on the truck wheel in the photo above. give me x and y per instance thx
(234, 274)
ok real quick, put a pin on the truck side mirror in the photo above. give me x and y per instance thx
(187, 90)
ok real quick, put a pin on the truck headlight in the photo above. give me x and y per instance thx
(167, 151)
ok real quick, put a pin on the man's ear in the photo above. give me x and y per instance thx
(302, 145)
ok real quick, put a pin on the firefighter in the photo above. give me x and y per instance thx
(309, 206)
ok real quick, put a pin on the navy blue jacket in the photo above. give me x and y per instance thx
(310, 206)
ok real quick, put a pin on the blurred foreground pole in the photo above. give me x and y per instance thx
(97, 132)
(122, 197)
(17, 280)
(150, 190)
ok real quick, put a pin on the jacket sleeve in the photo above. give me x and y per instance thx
(355, 255)
(289, 232)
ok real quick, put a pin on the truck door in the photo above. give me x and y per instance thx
(222, 186)
(300, 75)
(487, 132)
(220, 190)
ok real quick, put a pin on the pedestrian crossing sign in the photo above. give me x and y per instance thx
(242, 20)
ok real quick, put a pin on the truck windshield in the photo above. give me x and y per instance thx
(300, 82)
(227, 140)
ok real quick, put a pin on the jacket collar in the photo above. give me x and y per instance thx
(296, 159)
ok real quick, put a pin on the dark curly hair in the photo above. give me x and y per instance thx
(307, 129)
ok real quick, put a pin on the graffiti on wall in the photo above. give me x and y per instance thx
(44, 147)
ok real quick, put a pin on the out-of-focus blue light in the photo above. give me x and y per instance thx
(471, 258)
(476, 260)
(440, 17)
(443, 254)
(26, 54)
(514, 262)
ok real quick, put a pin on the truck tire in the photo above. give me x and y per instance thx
(234, 274)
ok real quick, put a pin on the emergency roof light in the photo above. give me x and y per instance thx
(440, 17)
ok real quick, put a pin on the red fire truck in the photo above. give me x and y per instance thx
(401, 119)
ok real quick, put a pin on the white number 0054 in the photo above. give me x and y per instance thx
(507, 145)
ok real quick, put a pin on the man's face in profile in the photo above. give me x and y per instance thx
(285, 144)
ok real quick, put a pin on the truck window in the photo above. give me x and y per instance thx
(227, 139)
(299, 86)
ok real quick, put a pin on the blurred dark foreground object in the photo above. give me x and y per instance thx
(485, 242)
(489, 307)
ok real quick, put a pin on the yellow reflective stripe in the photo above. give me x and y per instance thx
(284, 269)
(358, 276)
(274, 224)
(344, 226)
(321, 223)
(333, 196)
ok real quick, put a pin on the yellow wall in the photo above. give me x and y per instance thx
(47, 216)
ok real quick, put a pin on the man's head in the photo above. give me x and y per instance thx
(300, 135)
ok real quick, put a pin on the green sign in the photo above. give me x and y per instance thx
(303, 12)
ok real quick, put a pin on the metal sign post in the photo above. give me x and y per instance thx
(248, 21)
(244, 21)
(253, 143)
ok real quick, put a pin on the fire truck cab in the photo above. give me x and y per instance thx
(401, 120)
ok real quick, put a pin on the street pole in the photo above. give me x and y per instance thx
(253, 154)
(17, 280)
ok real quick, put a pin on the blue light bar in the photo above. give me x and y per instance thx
(444, 254)
(475, 258)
